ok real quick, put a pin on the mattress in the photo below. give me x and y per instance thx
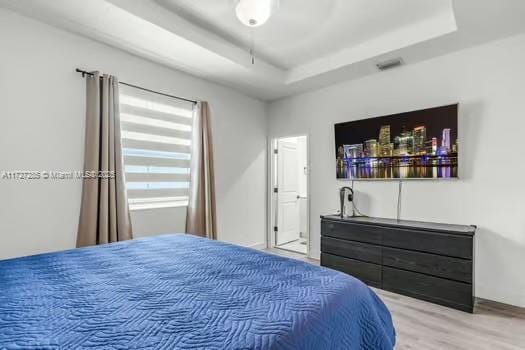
(183, 292)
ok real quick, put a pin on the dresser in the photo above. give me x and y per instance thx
(428, 261)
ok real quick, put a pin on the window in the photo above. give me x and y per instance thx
(156, 142)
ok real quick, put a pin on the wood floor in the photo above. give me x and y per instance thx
(426, 326)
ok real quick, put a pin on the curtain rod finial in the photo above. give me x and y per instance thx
(78, 70)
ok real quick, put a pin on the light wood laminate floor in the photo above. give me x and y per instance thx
(425, 326)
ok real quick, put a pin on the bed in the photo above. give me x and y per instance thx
(183, 292)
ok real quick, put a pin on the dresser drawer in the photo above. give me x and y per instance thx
(433, 289)
(366, 272)
(430, 264)
(360, 233)
(351, 249)
(429, 242)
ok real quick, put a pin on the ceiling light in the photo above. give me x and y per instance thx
(254, 13)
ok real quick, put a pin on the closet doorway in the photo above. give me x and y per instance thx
(289, 194)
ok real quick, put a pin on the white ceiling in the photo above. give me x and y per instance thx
(307, 44)
(303, 30)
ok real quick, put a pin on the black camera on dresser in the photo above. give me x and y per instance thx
(428, 261)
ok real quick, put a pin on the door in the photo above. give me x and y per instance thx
(288, 222)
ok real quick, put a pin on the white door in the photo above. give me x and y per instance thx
(288, 224)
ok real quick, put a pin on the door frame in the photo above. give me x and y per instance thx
(271, 196)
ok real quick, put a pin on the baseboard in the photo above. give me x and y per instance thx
(500, 305)
(258, 246)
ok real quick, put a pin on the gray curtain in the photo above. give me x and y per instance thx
(201, 217)
(104, 213)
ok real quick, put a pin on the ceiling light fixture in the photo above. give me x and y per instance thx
(254, 13)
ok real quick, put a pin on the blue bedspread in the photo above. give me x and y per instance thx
(184, 292)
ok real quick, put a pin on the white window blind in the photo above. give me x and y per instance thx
(156, 142)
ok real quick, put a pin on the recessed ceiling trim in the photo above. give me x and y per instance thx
(148, 29)
(442, 24)
(156, 14)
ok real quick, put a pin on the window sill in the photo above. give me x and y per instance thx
(140, 207)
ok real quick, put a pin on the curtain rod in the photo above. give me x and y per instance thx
(84, 73)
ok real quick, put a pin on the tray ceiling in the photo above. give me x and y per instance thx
(301, 31)
(306, 44)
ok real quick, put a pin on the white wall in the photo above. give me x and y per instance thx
(489, 83)
(42, 128)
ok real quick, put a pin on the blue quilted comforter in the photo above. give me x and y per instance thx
(184, 292)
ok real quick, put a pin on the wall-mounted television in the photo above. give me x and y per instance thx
(413, 145)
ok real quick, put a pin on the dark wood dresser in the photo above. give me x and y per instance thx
(428, 261)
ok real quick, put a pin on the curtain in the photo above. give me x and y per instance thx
(201, 216)
(104, 213)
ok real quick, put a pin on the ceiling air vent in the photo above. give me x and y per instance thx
(393, 63)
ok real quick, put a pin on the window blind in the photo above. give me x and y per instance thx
(156, 141)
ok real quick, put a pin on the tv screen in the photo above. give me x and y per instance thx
(413, 145)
